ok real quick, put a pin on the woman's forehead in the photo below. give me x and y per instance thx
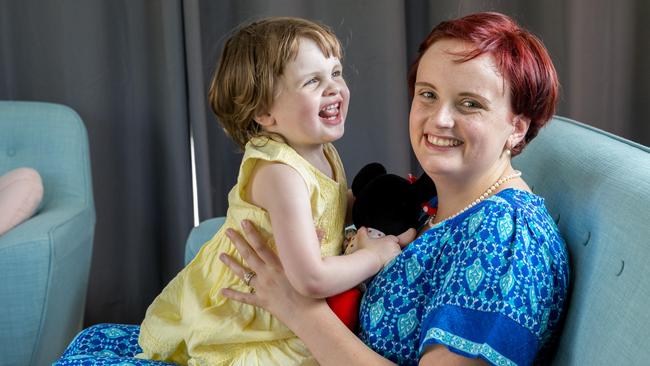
(443, 65)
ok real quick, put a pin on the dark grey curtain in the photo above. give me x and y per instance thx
(600, 50)
(137, 72)
(121, 66)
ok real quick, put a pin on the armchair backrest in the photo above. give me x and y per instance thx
(597, 186)
(40, 136)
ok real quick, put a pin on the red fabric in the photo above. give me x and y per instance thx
(346, 306)
(428, 209)
(411, 178)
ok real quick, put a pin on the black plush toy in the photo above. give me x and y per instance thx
(388, 203)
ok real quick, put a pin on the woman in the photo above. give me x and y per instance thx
(486, 280)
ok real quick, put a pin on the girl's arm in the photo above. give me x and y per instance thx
(328, 339)
(282, 192)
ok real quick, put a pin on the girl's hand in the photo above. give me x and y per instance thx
(270, 287)
(386, 247)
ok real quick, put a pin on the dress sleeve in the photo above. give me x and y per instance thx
(491, 301)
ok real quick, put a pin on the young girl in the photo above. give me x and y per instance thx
(279, 93)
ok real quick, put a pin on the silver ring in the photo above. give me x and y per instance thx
(248, 276)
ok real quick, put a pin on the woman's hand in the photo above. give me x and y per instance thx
(270, 287)
(311, 319)
(328, 339)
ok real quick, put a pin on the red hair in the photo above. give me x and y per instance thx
(521, 58)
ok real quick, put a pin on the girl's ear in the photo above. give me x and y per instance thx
(265, 119)
(520, 124)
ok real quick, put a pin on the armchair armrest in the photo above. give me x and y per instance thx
(44, 265)
(200, 234)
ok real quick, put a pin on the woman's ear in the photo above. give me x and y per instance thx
(520, 124)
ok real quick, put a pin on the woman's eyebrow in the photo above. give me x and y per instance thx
(463, 94)
(424, 83)
(480, 97)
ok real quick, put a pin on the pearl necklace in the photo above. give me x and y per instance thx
(481, 198)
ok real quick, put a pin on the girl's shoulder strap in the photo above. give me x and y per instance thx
(274, 151)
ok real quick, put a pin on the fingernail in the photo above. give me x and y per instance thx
(229, 232)
(245, 224)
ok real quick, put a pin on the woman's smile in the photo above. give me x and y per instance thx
(438, 141)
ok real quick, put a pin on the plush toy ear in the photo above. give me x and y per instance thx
(388, 202)
(365, 175)
(385, 204)
(423, 189)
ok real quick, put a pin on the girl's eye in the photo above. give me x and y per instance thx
(310, 81)
(337, 73)
(427, 95)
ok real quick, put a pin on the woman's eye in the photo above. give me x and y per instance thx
(471, 104)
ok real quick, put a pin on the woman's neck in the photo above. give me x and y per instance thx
(457, 193)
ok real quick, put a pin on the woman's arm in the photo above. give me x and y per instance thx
(282, 192)
(329, 340)
(441, 355)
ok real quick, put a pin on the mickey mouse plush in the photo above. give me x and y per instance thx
(386, 204)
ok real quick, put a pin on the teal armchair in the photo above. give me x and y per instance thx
(44, 262)
(597, 187)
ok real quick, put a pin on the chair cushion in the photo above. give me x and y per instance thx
(21, 191)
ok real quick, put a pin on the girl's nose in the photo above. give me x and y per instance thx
(332, 89)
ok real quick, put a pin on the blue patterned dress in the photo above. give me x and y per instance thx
(489, 283)
(106, 345)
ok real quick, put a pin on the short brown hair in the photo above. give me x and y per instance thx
(252, 60)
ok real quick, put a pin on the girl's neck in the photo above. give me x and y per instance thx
(315, 155)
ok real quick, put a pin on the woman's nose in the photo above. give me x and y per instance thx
(441, 117)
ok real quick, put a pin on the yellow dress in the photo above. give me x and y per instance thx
(190, 322)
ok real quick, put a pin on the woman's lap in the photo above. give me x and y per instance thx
(106, 344)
